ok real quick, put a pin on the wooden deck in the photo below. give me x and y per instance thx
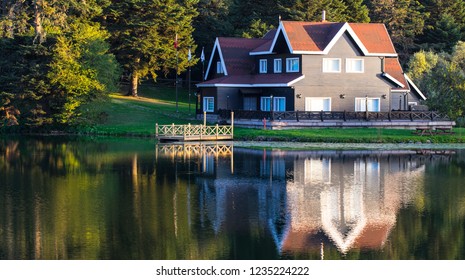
(188, 132)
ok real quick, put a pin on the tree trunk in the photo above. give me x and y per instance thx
(38, 28)
(134, 84)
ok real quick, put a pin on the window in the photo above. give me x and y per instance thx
(318, 104)
(219, 68)
(279, 104)
(317, 171)
(332, 65)
(265, 103)
(208, 104)
(263, 66)
(292, 64)
(354, 65)
(278, 65)
(362, 104)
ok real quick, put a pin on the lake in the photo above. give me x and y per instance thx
(124, 199)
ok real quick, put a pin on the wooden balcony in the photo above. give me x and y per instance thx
(290, 119)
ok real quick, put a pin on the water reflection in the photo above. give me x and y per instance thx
(307, 199)
(133, 199)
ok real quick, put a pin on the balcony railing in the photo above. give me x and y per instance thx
(336, 115)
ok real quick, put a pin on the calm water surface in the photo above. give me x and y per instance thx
(133, 199)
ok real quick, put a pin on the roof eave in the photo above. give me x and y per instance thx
(412, 84)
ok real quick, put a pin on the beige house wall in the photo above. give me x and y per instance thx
(319, 84)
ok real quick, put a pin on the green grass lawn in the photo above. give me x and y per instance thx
(138, 116)
(128, 115)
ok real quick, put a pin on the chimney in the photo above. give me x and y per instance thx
(323, 16)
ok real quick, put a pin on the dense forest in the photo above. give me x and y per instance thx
(56, 55)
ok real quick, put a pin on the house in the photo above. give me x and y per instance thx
(308, 66)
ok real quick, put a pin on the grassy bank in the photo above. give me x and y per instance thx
(125, 115)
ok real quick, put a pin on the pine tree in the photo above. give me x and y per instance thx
(356, 11)
(212, 21)
(144, 32)
(404, 19)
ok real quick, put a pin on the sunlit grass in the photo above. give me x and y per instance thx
(125, 115)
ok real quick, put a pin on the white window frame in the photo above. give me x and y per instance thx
(277, 101)
(207, 101)
(327, 63)
(265, 103)
(291, 62)
(349, 64)
(278, 65)
(318, 98)
(263, 66)
(219, 67)
(367, 99)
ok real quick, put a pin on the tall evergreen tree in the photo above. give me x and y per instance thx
(445, 22)
(404, 19)
(144, 32)
(244, 12)
(311, 10)
(212, 21)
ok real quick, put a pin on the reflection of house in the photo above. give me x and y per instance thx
(304, 199)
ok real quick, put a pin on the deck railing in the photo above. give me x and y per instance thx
(197, 132)
(336, 115)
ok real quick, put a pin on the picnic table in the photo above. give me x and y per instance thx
(444, 130)
(433, 131)
(423, 130)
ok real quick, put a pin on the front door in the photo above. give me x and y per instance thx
(250, 103)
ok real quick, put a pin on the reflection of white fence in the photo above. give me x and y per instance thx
(195, 150)
(193, 132)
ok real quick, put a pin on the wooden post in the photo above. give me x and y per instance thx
(204, 118)
(232, 124)
(156, 129)
(184, 127)
(172, 130)
(216, 128)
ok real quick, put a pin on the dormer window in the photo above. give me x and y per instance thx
(263, 66)
(292, 64)
(278, 65)
(219, 68)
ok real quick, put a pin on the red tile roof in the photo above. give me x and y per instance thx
(316, 36)
(374, 37)
(394, 69)
(310, 36)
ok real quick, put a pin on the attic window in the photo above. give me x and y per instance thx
(219, 68)
(263, 66)
(292, 64)
(278, 65)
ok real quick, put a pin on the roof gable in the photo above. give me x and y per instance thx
(234, 54)
(319, 37)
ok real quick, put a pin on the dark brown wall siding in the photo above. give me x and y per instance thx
(319, 84)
